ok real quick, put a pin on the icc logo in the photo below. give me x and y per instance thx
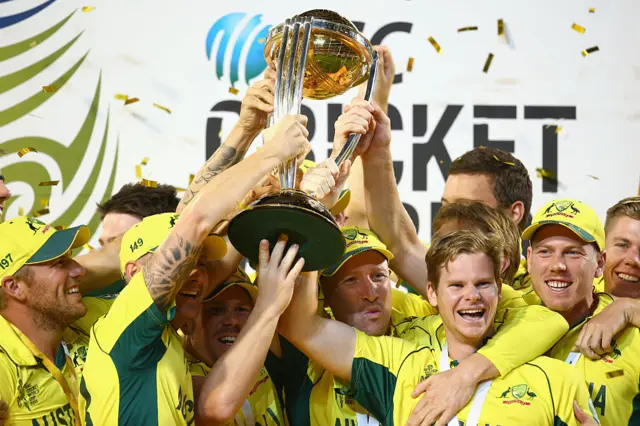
(236, 44)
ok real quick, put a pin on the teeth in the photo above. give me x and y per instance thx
(558, 284)
(472, 311)
(72, 291)
(628, 277)
(227, 340)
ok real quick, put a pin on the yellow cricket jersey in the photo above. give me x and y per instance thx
(522, 279)
(386, 370)
(34, 396)
(136, 372)
(261, 408)
(614, 380)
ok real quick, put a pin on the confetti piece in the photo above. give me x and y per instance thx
(3, 153)
(410, 65)
(33, 43)
(61, 227)
(461, 30)
(509, 163)
(138, 171)
(594, 177)
(558, 129)
(48, 89)
(149, 183)
(592, 10)
(500, 27)
(41, 213)
(191, 178)
(88, 247)
(88, 8)
(261, 41)
(542, 173)
(616, 373)
(233, 90)
(144, 161)
(586, 52)
(487, 63)
(44, 202)
(578, 28)
(24, 151)
(131, 101)
(20, 211)
(435, 44)
(164, 108)
(121, 97)
(49, 183)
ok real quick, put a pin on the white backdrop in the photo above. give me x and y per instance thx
(155, 50)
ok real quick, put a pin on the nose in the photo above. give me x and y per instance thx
(75, 269)
(633, 259)
(5, 194)
(472, 293)
(232, 317)
(369, 290)
(197, 274)
(558, 264)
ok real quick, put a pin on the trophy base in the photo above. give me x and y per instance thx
(303, 219)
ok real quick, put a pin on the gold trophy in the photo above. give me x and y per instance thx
(317, 55)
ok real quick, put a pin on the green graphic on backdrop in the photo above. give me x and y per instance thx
(68, 158)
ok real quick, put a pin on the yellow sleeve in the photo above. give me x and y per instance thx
(510, 299)
(133, 323)
(8, 379)
(522, 335)
(569, 386)
(522, 279)
(411, 305)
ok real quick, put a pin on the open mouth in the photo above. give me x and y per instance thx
(189, 294)
(227, 340)
(558, 286)
(628, 278)
(471, 314)
(73, 290)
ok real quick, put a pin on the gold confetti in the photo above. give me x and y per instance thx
(138, 171)
(49, 183)
(121, 97)
(131, 101)
(191, 179)
(149, 183)
(558, 129)
(61, 227)
(548, 174)
(616, 373)
(233, 90)
(435, 44)
(500, 27)
(410, 65)
(88, 8)
(24, 151)
(592, 10)
(463, 29)
(88, 247)
(487, 63)
(578, 28)
(594, 177)
(33, 43)
(586, 52)
(144, 161)
(261, 41)
(508, 163)
(48, 89)
(20, 211)
(164, 108)
(41, 213)
(44, 202)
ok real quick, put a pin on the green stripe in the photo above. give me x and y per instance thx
(8, 52)
(297, 385)
(634, 420)
(558, 422)
(87, 397)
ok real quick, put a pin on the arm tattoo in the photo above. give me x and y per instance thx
(169, 268)
(224, 157)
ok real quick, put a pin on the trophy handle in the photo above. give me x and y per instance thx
(354, 138)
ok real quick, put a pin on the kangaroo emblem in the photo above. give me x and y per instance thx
(505, 393)
(547, 211)
(32, 226)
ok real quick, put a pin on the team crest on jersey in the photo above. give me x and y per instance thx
(80, 356)
(32, 222)
(27, 395)
(615, 353)
(429, 371)
(518, 394)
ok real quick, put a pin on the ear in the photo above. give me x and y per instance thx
(601, 260)
(14, 289)
(505, 265)
(516, 212)
(432, 295)
(130, 269)
(529, 256)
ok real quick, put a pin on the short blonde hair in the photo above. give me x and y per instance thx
(479, 217)
(629, 207)
(446, 248)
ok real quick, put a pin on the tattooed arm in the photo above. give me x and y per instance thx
(172, 262)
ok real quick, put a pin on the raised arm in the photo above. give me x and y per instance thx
(102, 267)
(387, 216)
(329, 343)
(257, 103)
(233, 375)
(174, 259)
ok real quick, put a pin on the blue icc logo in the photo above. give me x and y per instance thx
(225, 28)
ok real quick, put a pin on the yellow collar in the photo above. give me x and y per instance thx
(12, 345)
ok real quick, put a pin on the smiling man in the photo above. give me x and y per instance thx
(382, 371)
(39, 297)
(567, 238)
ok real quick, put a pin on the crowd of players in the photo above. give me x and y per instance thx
(161, 325)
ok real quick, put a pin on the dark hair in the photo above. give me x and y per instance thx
(141, 201)
(511, 181)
